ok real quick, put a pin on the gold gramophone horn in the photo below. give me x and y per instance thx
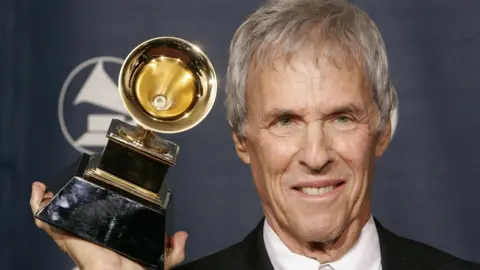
(167, 85)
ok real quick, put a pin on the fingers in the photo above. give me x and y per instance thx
(37, 196)
(48, 195)
(177, 249)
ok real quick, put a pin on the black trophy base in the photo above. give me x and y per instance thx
(109, 217)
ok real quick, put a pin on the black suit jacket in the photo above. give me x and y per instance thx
(397, 253)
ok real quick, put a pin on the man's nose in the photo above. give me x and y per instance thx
(316, 153)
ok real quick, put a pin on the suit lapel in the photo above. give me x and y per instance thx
(256, 256)
(394, 255)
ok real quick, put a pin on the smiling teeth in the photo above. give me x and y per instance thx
(317, 191)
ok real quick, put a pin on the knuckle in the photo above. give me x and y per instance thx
(39, 223)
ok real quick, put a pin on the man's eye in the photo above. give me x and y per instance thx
(343, 119)
(284, 120)
(286, 125)
(344, 123)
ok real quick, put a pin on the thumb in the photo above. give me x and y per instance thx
(176, 253)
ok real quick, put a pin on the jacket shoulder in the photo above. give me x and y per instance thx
(250, 253)
(223, 259)
(400, 252)
(434, 258)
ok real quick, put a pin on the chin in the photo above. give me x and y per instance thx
(322, 228)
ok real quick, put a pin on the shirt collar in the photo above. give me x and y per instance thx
(365, 254)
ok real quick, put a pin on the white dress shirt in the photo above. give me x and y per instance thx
(365, 254)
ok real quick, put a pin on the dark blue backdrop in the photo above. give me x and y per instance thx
(427, 185)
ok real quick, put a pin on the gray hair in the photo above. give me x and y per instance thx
(341, 31)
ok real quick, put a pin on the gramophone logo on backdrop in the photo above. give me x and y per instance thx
(88, 102)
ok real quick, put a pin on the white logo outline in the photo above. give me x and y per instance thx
(63, 92)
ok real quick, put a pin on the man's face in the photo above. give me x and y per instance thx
(311, 140)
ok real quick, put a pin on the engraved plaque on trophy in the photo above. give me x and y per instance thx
(118, 199)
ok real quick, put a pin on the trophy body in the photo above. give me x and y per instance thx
(118, 199)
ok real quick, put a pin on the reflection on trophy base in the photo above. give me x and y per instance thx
(109, 216)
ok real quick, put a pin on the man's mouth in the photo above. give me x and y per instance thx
(318, 191)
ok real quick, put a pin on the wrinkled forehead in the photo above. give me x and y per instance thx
(312, 54)
(278, 55)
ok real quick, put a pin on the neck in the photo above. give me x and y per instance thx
(323, 252)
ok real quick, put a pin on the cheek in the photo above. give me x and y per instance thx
(354, 149)
(275, 154)
(271, 158)
(355, 152)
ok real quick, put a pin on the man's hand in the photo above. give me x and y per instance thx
(90, 256)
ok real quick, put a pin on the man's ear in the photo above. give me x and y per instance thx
(384, 139)
(241, 148)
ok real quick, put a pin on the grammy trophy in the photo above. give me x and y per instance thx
(118, 199)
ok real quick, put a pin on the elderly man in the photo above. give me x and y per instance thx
(309, 102)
